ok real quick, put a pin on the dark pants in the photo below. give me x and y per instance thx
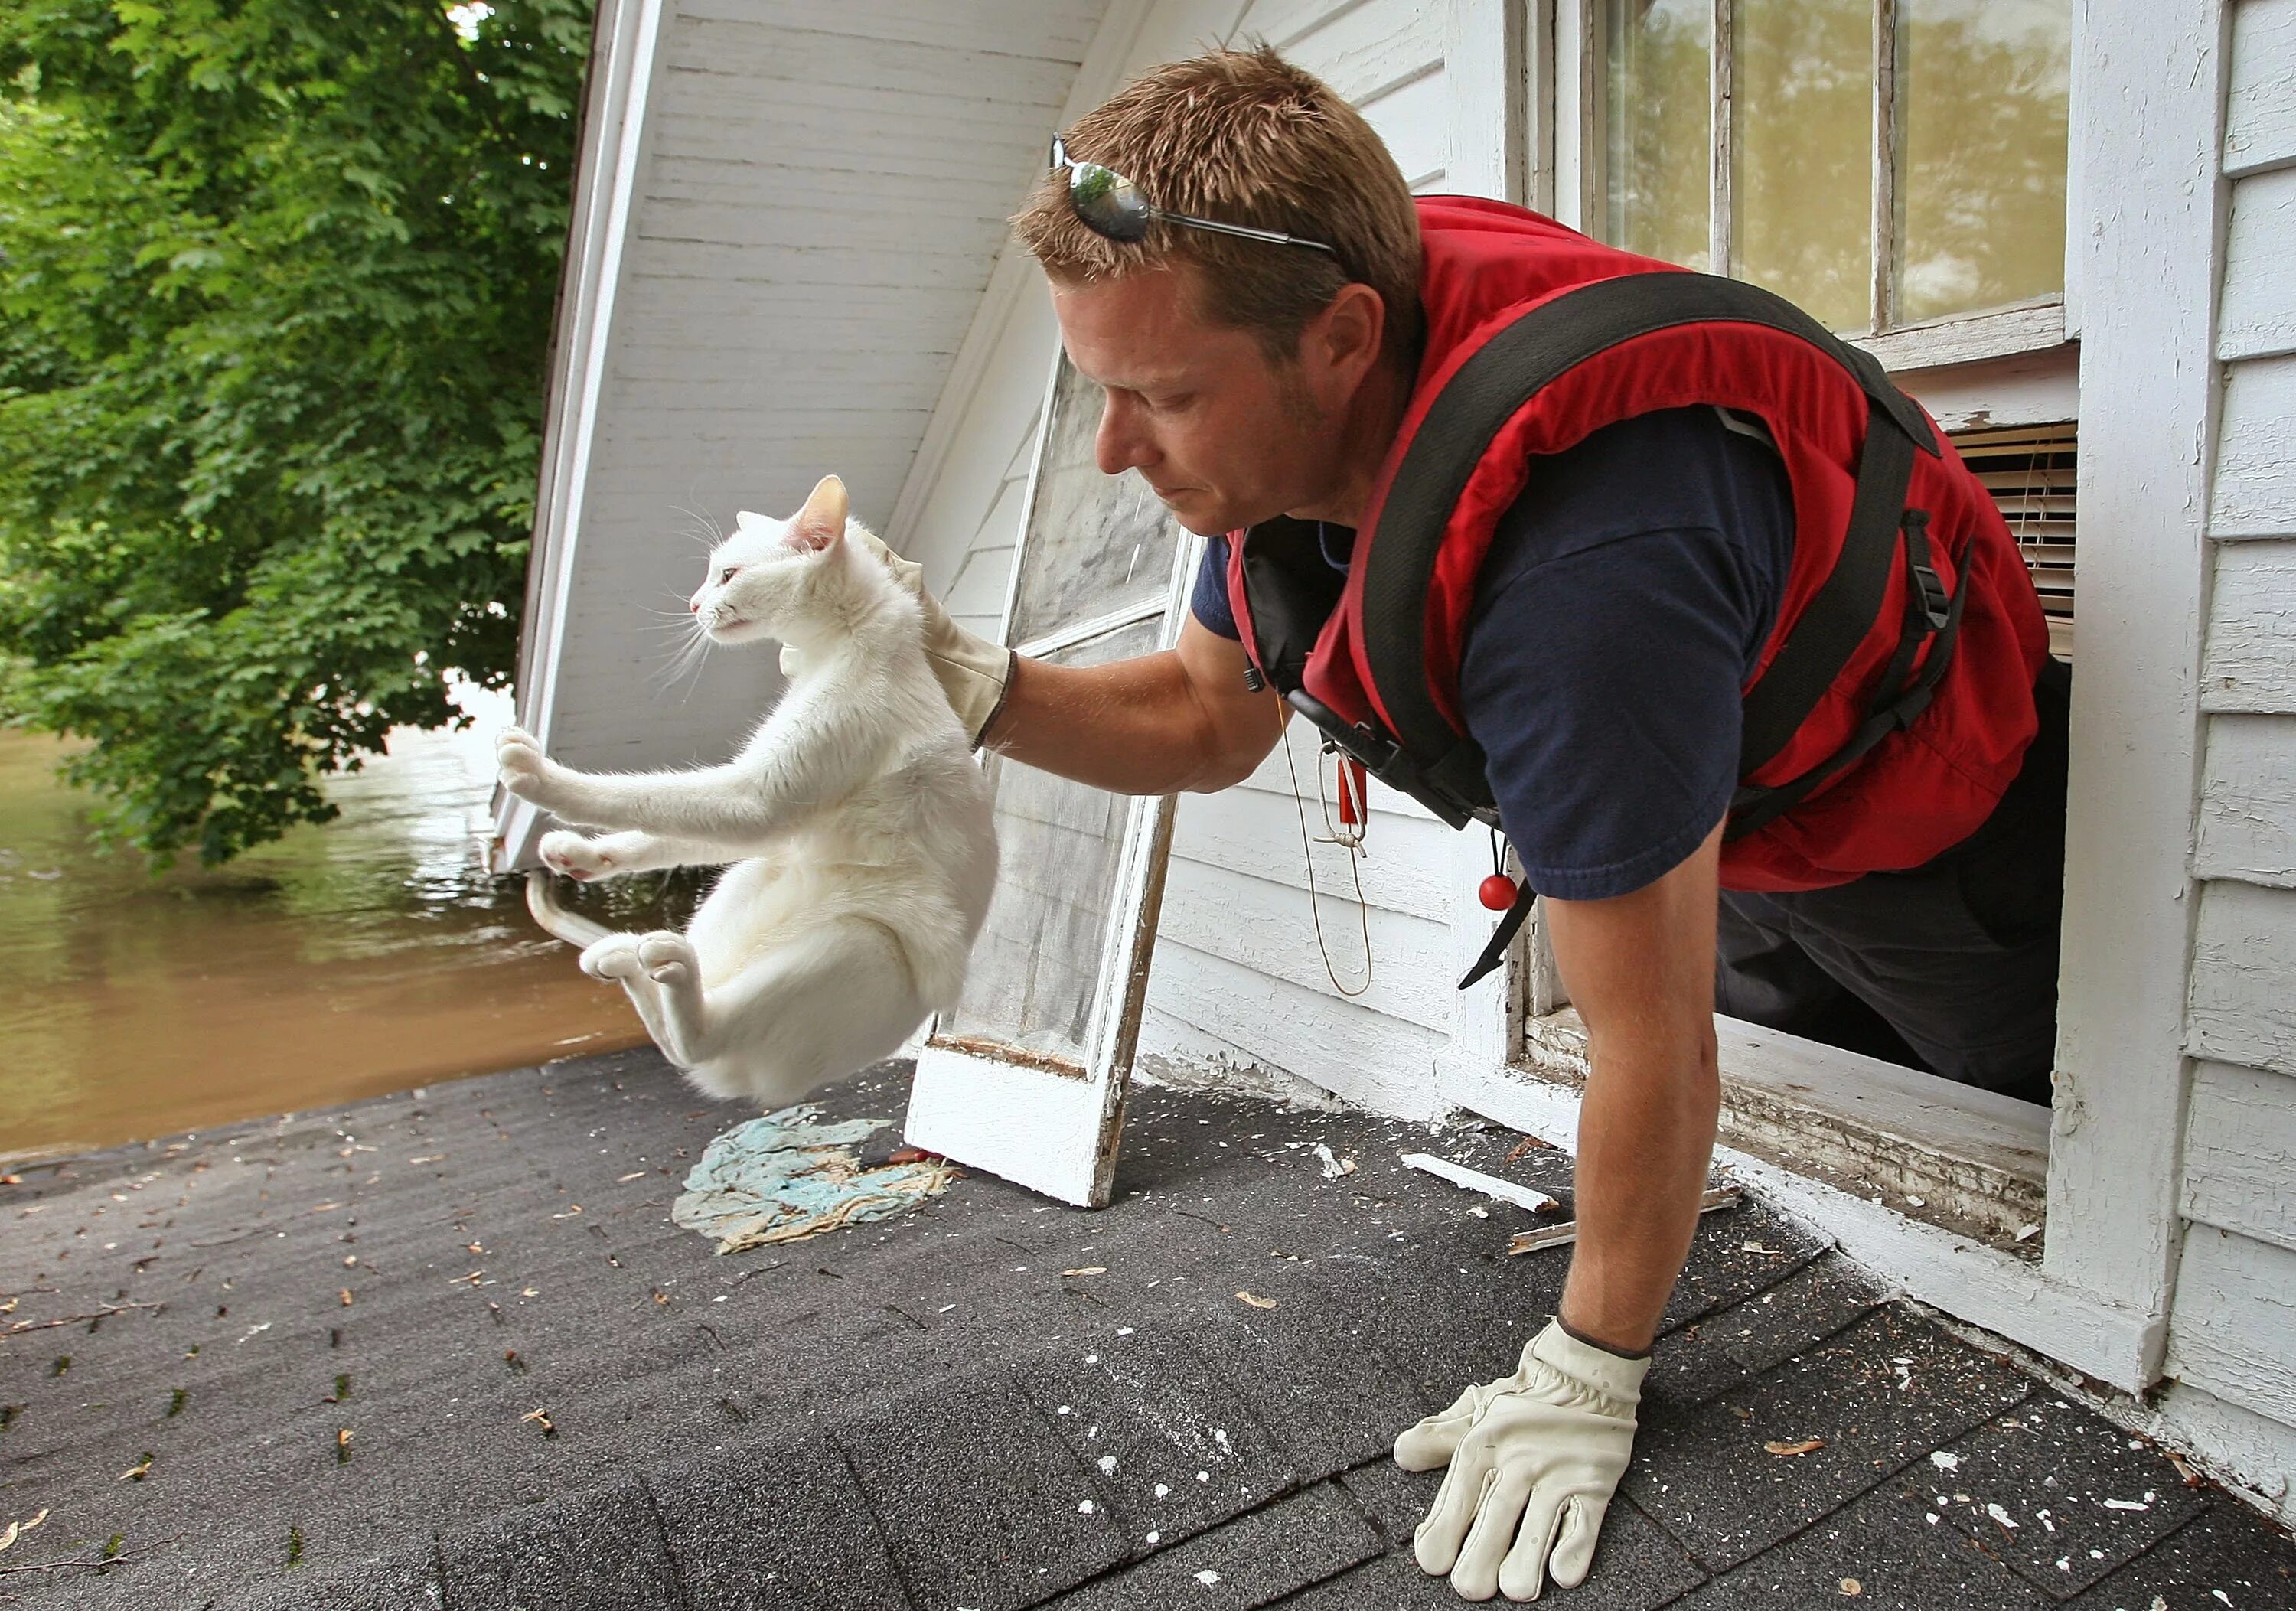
(1950, 966)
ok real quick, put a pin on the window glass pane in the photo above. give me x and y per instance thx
(1982, 116)
(1095, 546)
(1802, 173)
(1037, 967)
(1659, 106)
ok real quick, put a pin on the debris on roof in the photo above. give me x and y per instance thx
(790, 1175)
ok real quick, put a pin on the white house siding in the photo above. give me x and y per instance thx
(2233, 1329)
(1236, 978)
(820, 199)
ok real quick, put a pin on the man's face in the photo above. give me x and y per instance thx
(1222, 436)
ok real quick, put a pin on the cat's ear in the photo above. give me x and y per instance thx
(748, 519)
(822, 522)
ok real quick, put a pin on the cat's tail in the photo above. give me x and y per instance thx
(571, 927)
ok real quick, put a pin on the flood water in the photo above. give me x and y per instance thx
(370, 955)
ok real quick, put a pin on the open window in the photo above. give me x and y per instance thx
(1898, 167)
(1026, 1077)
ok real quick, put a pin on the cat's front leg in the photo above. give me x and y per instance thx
(530, 775)
(624, 801)
(586, 857)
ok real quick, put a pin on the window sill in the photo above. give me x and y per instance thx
(1973, 338)
(1950, 1156)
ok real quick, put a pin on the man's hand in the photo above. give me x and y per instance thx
(1534, 1459)
(1536, 1456)
(972, 672)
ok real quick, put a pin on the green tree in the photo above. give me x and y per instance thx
(276, 289)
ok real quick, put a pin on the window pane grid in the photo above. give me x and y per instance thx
(1881, 162)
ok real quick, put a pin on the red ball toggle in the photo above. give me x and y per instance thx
(1498, 891)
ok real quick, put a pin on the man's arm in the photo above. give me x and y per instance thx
(1179, 719)
(1640, 970)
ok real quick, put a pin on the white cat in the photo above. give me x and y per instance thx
(870, 852)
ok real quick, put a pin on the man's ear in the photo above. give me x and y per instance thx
(822, 522)
(1343, 342)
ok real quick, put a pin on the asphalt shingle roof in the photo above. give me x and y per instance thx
(447, 1349)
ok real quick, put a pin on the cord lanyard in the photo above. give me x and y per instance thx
(1351, 785)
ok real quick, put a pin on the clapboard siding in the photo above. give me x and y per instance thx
(2235, 1329)
(2260, 111)
(1385, 1064)
(2255, 494)
(2258, 319)
(1256, 832)
(2243, 1002)
(1264, 926)
(786, 61)
(2240, 1153)
(2251, 653)
(2247, 827)
(1414, 121)
(1060, 29)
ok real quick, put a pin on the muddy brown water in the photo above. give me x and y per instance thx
(373, 954)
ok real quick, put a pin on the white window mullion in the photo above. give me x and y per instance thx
(1723, 127)
(1883, 311)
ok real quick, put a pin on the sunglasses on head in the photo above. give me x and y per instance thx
(1111, 205)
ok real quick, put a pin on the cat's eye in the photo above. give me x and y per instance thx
(728, 574)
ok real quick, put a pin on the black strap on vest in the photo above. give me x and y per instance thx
(1504, 375)
(1443, 769)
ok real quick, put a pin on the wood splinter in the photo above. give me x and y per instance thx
(1556, 1236)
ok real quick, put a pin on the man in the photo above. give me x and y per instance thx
(1261, 337)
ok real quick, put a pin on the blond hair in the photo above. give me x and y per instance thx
(1243, 136)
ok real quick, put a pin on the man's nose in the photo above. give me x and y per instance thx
(1117, 446)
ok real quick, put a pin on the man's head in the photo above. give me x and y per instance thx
(1233, 367)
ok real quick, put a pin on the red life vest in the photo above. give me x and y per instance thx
(1893, 702)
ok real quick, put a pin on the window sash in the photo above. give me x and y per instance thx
(1581, 32)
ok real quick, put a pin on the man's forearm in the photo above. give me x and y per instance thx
(1641, 969)
(1134, 726)
(1645, 1137)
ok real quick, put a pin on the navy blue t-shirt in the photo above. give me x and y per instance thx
(1623, 604)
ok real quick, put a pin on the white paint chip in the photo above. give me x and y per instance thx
(1084, 1506)
(1162, 1492)
(1945, 1460)
(1108, 1465)
(2001, 1515)
(1474, 1180)
(1208, 1577)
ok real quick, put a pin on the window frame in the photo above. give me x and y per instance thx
(1572, 170)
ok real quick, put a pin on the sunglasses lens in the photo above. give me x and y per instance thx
(1109, 202)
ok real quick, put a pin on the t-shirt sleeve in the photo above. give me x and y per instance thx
(1614, 623)
(1209, 602)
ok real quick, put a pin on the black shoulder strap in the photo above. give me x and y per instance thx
(1530, 355)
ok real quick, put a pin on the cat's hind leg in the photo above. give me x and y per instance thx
(806, 1012)
(616, 958)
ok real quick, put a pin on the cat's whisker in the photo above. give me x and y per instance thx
(709, 534)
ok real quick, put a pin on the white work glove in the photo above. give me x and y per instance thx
(971, 671)
(1534, 1457)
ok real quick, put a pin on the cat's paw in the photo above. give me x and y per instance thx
(615, 956)
(668, 958)
(519, 762)
(578, 855)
